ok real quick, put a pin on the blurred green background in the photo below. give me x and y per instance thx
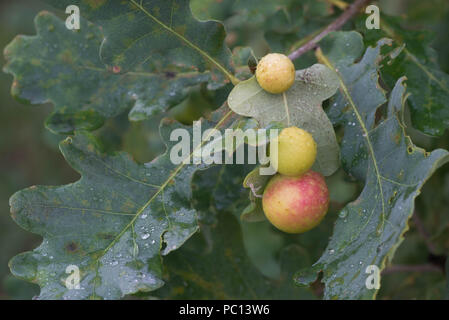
(29, 155)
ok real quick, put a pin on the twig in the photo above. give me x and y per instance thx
(254, 190)
(337, 24)
(411, 268)
(424, 234)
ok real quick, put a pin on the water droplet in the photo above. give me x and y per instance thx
(145, 236)
(343, 214)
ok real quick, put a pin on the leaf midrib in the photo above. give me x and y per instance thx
(231, 77)
(160, 189)
(362, 125)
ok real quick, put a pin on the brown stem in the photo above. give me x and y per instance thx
(411, 268)
(352, 10)
(254, 190)
(424, 234)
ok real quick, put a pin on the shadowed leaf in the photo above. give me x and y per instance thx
(63, 67)
(214, 265)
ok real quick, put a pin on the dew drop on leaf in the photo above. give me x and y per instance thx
(145, 236)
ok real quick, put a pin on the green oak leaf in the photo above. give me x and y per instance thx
(157, 31)
(378, 153)
(418, 61)
(63, 67)
(299, 106)
(114, 224)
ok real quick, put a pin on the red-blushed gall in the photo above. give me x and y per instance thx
(296, 204)
(275, 73)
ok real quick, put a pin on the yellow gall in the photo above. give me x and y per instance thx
(275, 73)
(296, 152)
